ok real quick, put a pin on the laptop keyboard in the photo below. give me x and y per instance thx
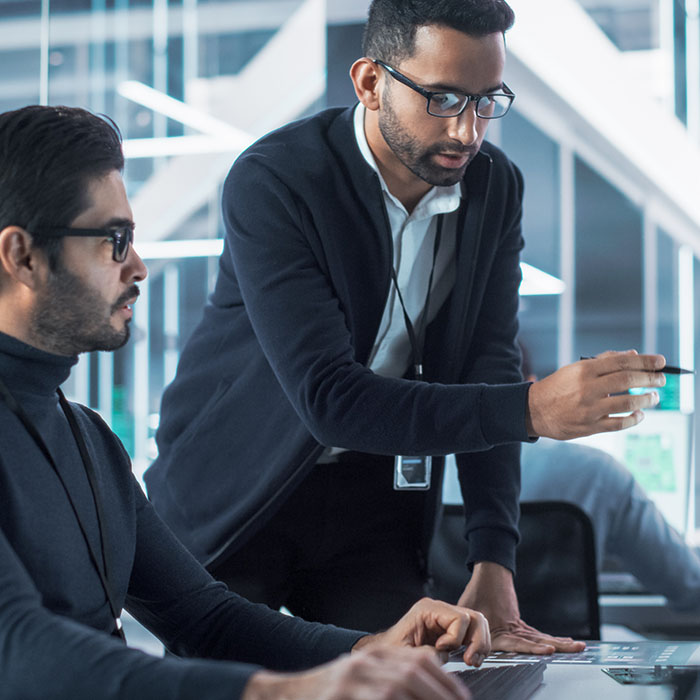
(511, 682)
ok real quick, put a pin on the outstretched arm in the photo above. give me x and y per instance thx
(392, 664)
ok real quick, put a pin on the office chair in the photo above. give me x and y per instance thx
(556, 578)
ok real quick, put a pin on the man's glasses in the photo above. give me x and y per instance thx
(452, 104)
(122, 237)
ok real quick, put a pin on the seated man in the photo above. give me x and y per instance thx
(626, 523)
(78, 539)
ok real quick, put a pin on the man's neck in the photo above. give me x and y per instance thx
(13, 317)
(408, 188)
(14, 321)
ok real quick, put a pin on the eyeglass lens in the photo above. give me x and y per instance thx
(449, 104)
(122, 238)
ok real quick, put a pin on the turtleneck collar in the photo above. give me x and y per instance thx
(25, 368)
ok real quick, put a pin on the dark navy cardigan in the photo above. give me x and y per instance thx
(54, 616)
(276, 368)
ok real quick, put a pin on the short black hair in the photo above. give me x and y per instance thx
(48, 156)
(390, 32)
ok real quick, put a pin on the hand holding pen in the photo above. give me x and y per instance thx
(588, 396)
(666, 369)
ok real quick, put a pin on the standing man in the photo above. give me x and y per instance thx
(364, 320)
(78, 539)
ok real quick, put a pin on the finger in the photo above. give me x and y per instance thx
(399, 673)
(568, 646)
(613, 353)
(628, 403)
(617, 352)
(604, 425)
(522, 645)
(521, 631)
(612, 424)
(474, 658)
(458, 627)
(537, 643)
(609, 362)
(479, 645)
(440, 684)
(551, 638)
(425, 679)
(563, 644)
(619, 382)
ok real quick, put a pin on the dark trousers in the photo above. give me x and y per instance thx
(343, 549)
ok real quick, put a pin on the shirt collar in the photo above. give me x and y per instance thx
(438, 200)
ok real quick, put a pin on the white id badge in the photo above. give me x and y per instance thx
(412, 473)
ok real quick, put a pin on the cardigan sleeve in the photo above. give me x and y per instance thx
(492, 509)
(195, 616)
(44, 654)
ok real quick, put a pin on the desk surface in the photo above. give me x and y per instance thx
(568, 681)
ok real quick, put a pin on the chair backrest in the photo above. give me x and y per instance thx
(556, 577)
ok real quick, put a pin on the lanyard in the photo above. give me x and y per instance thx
(105, 567)
(418, 341)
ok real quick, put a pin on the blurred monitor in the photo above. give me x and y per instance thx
(658, 452)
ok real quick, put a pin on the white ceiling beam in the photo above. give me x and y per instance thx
(75, 29)
(179, 188)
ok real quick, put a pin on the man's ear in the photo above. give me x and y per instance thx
(18, 258)
(365, 75)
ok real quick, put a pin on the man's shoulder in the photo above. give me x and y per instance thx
(89, 416)
(316, 124)
(95, 425)
(314, 160)
(312, 141)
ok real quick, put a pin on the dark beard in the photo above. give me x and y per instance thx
(70, 318)
(417, 159)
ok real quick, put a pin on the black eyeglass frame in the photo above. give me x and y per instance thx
(508, 94)
(117, 234)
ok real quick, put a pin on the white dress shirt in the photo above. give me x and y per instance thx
(413, 239)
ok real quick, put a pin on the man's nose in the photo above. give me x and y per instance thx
(463, 128)
(133, 268)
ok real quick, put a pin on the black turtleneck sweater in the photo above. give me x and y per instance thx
(54, 615)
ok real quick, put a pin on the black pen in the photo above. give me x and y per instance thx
(668, 369)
